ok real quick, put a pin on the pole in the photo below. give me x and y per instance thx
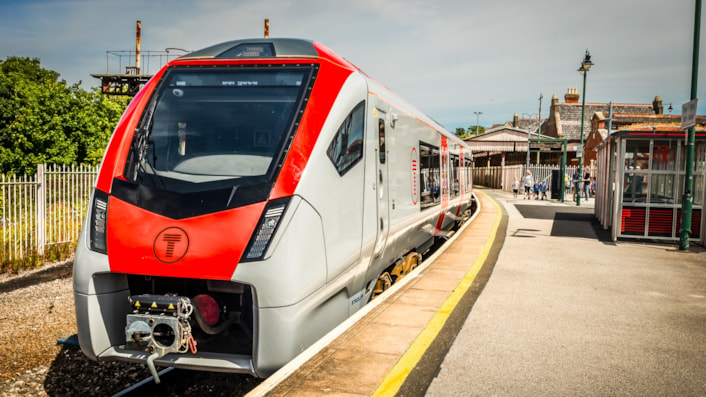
(583, 112)
(687, 200)
(138, 46)
(528, 151)
(477, 122)
(539, 123)
(563, 169)
(528, 116)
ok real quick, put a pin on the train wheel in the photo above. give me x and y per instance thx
(406, 266)
(384, 282)
(415, 259)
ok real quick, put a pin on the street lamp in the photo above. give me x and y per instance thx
(585, 67)
(529, 117)
(477, 116)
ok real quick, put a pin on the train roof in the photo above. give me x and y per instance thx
(263, 48)
(256, 48)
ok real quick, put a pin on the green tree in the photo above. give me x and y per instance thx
(43, 120)
(473, 128)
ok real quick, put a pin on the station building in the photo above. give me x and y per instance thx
(506, 144)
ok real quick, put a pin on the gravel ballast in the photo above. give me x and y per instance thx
(35, 314)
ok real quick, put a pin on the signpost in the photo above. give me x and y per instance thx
(687, 198)
(688, 114)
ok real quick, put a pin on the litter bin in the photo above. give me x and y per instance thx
(557, 184)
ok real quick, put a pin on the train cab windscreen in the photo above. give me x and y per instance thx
(211, 128)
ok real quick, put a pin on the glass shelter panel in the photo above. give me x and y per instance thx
(635, 188)
(637, 155)
(663, 189)
(664, 155)
(700, 157)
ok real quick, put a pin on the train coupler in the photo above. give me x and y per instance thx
(160, 325)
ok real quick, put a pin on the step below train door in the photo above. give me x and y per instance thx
(382, 186)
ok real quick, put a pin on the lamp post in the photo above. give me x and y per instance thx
(539, 124)
(529, 117)
(477, 116)
(585, 67)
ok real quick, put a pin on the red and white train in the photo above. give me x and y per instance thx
(253, 196)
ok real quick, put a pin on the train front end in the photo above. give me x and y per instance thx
(198, 179)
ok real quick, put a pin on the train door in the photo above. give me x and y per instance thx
(383, 188)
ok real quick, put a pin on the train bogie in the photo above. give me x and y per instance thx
(254, 195)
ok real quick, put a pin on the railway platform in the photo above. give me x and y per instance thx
(530, 298)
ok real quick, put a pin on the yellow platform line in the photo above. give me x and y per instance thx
(396, 377)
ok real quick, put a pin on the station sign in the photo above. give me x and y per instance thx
(546, 146)
(688, 114)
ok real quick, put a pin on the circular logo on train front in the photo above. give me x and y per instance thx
(414, 176)
(171, 245)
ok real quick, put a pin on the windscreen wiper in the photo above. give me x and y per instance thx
(141, 145)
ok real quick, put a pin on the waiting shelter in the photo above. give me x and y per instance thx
(640, 183)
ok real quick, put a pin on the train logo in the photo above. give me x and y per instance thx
(171, 245)
(663, 154)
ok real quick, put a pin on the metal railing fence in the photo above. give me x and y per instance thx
(501, 177)
(41, 215)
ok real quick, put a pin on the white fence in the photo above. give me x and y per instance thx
(502, 177)
(41, 215)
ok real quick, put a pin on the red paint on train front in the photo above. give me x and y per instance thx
(215, 241)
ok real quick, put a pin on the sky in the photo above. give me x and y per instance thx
(448, 58)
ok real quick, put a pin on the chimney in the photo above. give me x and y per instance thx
(571, 96)
(515, 121)
(657, 105)
(138, 45)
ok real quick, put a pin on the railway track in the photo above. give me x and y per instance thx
(180, 382)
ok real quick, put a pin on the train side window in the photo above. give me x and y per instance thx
(469, 173)
(455, 175)
(346, 148)
(381, 140)
(429, 162)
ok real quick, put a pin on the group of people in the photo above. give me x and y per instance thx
(533, 189)
(585, 186)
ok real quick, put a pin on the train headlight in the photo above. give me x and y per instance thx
(99, 217)
(266, 228)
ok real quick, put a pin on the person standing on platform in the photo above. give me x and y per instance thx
(528, 182)
(536, 190)
(586, 184)
(543, 189)
(515, 188)
(576, 179)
